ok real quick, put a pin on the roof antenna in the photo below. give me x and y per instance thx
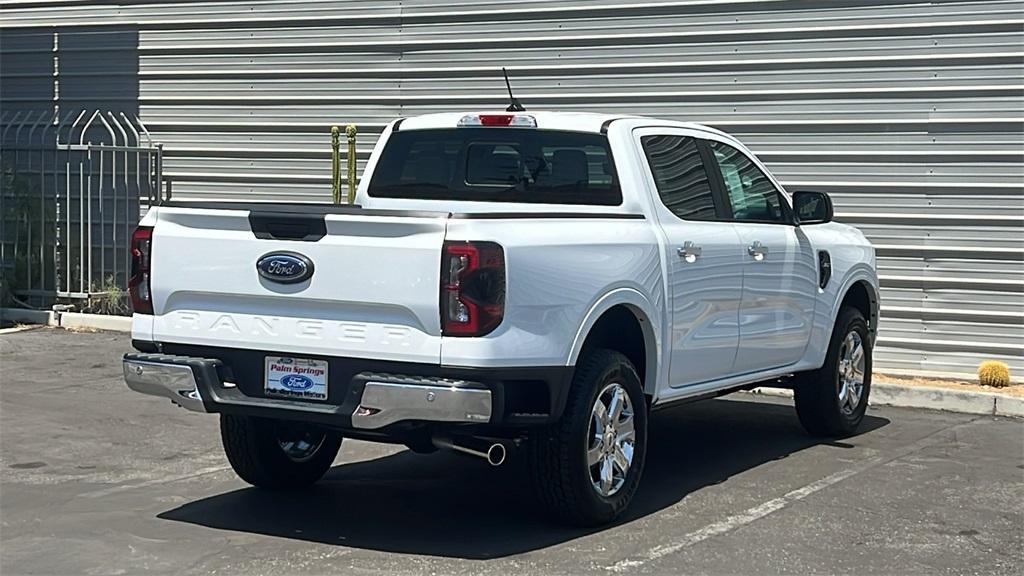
(514, 106)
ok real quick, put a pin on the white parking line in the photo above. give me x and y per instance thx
(761, 510)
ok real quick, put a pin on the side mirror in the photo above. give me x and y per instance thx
(812, 207)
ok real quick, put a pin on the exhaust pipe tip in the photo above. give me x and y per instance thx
(496, 454)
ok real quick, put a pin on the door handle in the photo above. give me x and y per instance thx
(757, 250)
(689, 252)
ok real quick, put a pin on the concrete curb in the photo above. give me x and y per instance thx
(22, 328)
(22, 316)
(936, 398)
(1010, 406)
(965, 401)
(97, 321)
(68, 319)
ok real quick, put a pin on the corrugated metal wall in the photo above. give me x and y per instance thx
(909, 113)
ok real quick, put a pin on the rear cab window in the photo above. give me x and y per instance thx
(680, 177)
(497, 165)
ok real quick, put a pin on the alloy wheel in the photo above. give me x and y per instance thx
(611, 439)
(851, 372)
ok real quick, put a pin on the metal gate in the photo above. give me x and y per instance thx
(73, 189)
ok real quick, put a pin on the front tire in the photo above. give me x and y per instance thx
(586, 468)
(275, 454)
(832, 400)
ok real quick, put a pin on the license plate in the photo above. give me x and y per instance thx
(300, 378)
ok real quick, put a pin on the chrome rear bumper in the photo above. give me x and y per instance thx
(383, 399)
(174, 381)
(385, 403)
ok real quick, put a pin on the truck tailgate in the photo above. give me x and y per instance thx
(374, 292)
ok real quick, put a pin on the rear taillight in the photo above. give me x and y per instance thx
(472, 288)
(139, 283)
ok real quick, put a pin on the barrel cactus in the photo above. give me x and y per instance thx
(994, 373)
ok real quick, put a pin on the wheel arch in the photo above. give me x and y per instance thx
(860, 293)
(622, 320)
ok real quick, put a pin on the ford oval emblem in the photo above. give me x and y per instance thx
(296, 382)
(285, 267)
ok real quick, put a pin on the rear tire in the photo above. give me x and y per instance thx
(275, 454)
(577, 464)
(832, 400)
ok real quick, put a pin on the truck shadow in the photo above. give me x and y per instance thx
(454, 506)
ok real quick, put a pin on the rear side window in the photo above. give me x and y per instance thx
(679, 176)
(497, 165)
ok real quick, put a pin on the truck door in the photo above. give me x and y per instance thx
(779, 270)
(704, 259)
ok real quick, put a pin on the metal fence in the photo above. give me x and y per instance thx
(74, 186)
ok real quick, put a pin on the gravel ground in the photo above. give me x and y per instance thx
(965, 385)
(99, 480)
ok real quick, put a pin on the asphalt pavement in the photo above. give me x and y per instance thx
(100, 480)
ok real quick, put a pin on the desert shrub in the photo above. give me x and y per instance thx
(112, 301)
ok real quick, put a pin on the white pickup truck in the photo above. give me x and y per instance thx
(537, 282)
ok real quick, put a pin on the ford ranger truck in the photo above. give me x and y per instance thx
(527, 284)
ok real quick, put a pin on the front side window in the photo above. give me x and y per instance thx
(679, 176)
(752, 196)
(497, 165)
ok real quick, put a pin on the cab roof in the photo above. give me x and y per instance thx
(546, 120)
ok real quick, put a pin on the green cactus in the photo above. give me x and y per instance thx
(994, 373)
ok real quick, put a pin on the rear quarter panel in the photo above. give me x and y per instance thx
(559, 271)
